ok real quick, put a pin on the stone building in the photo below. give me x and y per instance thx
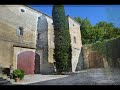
(27, 40)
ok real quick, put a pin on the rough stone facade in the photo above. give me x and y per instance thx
(45, 44)
(38, 37)
(75, 34)
(11, 18)
(86, 55)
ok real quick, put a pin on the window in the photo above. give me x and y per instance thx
(22, 10)
(74, 39)
(20, 31)
(73, 25)
(38, 36)
(39, 17)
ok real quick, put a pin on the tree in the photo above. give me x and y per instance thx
(104, 24)
(78, 19)
(99, 32)
(85, 23)
(85, 28)
(62, 51)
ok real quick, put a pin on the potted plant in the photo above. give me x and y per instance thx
(22, 74)
(18, 75)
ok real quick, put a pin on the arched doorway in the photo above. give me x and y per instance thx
(26, 62)
(37, 64)
(95, 60)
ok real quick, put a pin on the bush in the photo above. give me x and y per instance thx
(22, 74)
(18, 74)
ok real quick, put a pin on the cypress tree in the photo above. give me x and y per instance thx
(62, 51)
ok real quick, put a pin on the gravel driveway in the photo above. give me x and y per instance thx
(86, 77)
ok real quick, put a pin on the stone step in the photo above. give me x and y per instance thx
(1, 79)
(5, 81)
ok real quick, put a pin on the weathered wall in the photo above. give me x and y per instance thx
(33, 22)
(81, 63)
(10, 18)
(45, 44)
(74, 29)
(50, 41)
(110, 50)
(87, 50)
(6, 52)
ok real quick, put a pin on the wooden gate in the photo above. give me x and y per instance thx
(95, 60)
(26, 62)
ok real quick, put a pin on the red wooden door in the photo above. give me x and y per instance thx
(26, 62)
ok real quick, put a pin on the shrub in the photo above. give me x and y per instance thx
(18, 74)
(22, 74)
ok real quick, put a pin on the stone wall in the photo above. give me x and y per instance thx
(74, 29)
(87, 50)
(45, 43)
(11, 17)
(81, 63)
(33, 22)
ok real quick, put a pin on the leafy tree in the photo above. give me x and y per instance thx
(116, 32)
(104, 24)
(62, 51)
(78, 19)
(85, 28)
(99, 32)
(85, 24)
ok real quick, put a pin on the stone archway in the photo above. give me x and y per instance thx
(37, 64)
(26, 62)
(95, 60)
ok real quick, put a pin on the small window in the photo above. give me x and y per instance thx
(73, 25)
(22, 10)
(39, 17)
(20, 31)
(38, 36)
(74, 39)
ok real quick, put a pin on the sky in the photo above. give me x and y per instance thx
(95, 13)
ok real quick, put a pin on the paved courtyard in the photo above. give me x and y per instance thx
(85, 77)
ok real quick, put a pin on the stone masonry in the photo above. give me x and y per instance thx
(38, 37)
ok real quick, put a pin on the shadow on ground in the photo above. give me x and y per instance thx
(88, 77)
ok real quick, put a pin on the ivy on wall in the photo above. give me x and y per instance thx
(109, 49)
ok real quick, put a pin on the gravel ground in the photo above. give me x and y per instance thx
(86, 77)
